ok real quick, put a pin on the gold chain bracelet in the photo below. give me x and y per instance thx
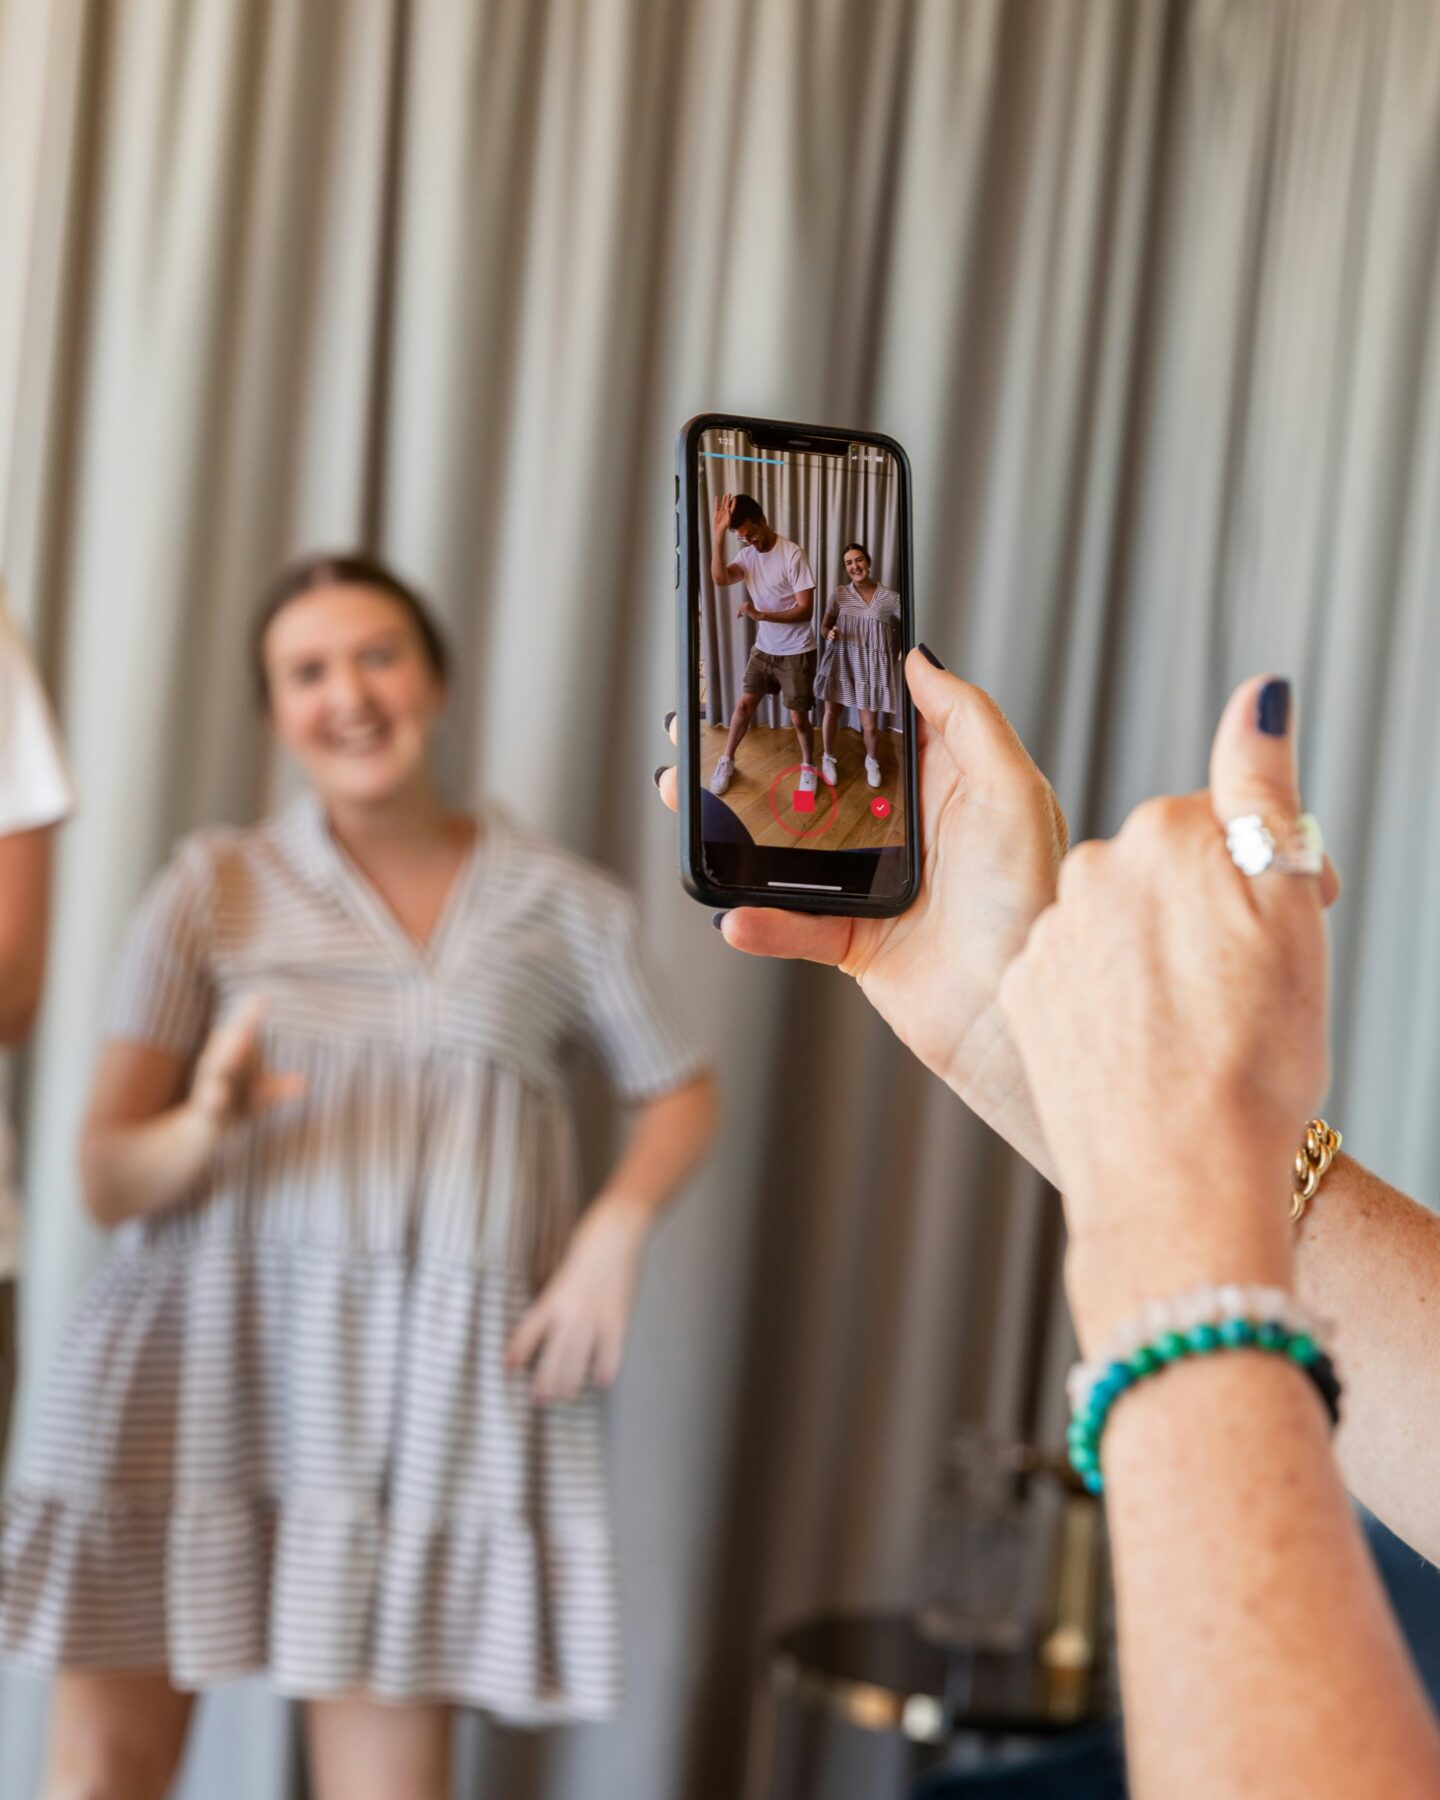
(1312, 1159)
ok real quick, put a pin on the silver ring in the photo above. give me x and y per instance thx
(1285, 846)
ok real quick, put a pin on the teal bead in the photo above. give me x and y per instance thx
(1237, 1334)
(1084, 1457)
(1170, 1346)
(1094, 1482)
(1203, 1338)
(1302, 1347)
(1144, 1362)
(1272, 1335)
(1120, 1376)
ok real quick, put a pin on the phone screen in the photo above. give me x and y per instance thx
(804, 618)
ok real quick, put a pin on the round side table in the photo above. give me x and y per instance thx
(875, 1672)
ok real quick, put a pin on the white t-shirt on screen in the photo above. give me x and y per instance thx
(35, 791)
(773, 578)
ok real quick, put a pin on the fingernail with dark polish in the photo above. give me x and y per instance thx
(669, 720)
(930, 656)
(718, 920)
(1272, 713)
(659, 772)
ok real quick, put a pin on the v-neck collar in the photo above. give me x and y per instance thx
(327, 862)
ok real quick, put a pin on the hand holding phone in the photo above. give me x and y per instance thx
(996, 835)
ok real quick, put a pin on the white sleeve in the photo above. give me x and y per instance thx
(803, 576)
(35, 785)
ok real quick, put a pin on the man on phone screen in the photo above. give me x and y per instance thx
(780, 589)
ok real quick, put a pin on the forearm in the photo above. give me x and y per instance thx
(669, 1136)
(802, 607)
(19, 1003)
(1368, 1260)
(131, 1170)
(1257, 1653)
(719, 568)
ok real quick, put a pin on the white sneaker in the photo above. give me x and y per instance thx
(806, 783)
(872, 771)
(724, 769)
(827, 769)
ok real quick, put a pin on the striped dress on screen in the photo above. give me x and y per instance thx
(280, 1433)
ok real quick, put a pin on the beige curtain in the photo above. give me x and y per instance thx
(1148, 288)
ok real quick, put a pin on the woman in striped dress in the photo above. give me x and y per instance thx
(330, 1408)
(860, 663)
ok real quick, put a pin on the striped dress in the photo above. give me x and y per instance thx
(861, 668)
(281, 1434)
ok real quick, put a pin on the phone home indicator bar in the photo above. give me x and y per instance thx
(810, 887)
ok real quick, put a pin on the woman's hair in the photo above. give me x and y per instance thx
(860, 547)
(344, 569)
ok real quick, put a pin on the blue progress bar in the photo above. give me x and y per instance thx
(729, 456)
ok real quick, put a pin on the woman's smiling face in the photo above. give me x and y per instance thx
(353, 694)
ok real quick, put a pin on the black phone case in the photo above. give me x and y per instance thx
(692, 870)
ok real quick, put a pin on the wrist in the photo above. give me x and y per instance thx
(625, 1210)
(986, 1072)
(1206, 1235)
(199, 1127)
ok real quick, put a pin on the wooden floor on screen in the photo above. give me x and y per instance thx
(762, 789)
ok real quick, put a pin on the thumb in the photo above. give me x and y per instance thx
(1253, 765)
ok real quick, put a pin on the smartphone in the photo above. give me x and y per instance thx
(797, 762)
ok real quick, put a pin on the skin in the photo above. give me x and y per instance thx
(857, 567)
(25, 863)
(354, 699)
(1165, 996)
(759, 536)
(1366, 1257)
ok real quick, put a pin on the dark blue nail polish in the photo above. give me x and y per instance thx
(718, 920)
(930, 656)
(669, 720)
(659, 772)
(1272, 713)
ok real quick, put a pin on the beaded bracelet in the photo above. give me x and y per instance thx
(1196, 1324)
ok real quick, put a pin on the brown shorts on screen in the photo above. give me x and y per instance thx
(792, 677)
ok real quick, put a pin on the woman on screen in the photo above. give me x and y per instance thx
(860, 663)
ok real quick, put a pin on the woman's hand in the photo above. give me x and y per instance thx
(1171, 1014)
(833, 634)
(992, 836)
(231, 1082)
(574, 1333)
